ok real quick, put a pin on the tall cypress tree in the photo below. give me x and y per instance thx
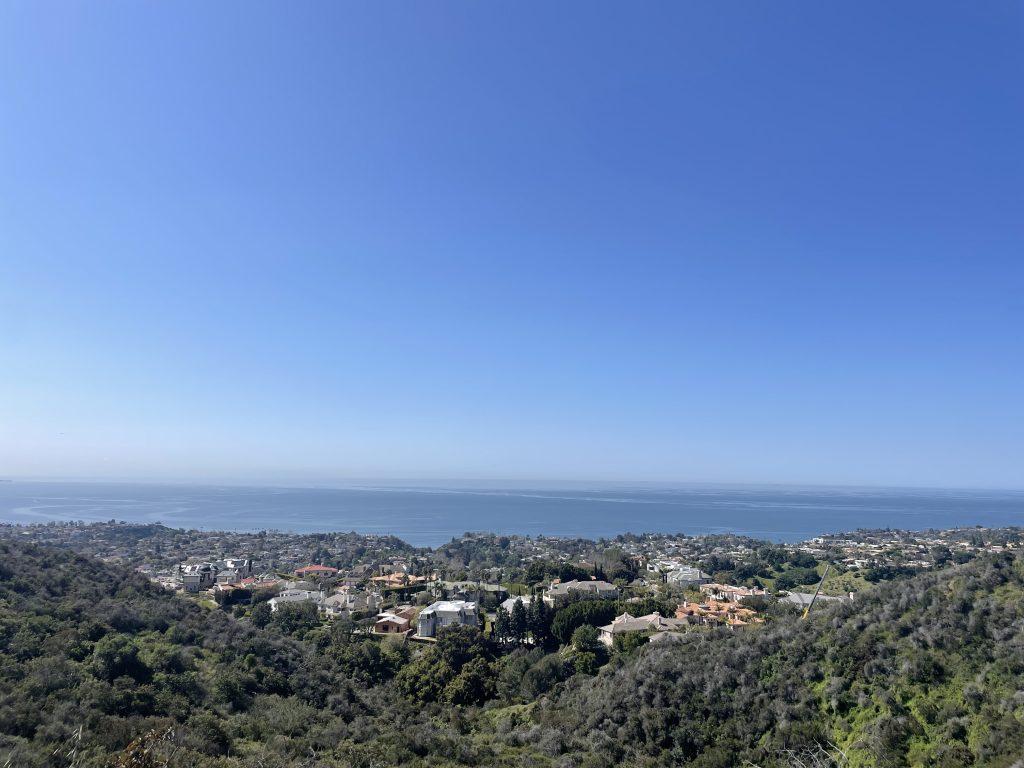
(517, 622)
(502, 626)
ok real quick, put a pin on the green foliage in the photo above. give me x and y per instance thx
(518, 628)
(296, 618)
(117, 655)
(457, 669)
(543, 571)
(925, 672)
(369, 661)
(630, 641)
(261, 614)
(880, 573)
(588, 651)
(796, 577)
(592, 612)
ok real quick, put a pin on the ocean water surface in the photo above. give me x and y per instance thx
(432, 515)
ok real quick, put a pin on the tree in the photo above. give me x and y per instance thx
(941, 555)
(593, 612)
(261, 615)
(115, 656)
(229, 688)
(474, 684)
(296, 618)
(588, 651)
(538, 621)
(457, 669)
(517, 622)
(630, 641)
(502, 626)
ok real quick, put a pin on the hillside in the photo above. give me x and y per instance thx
(927, 671)
(98, 667)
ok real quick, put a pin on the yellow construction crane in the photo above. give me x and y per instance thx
(810, 605)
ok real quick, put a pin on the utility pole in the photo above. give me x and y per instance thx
(810, 605)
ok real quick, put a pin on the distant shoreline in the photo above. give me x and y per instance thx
(654, 535)
(432, 516)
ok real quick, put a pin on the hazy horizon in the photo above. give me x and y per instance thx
(486, 483)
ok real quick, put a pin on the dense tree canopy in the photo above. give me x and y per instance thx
(98, 667)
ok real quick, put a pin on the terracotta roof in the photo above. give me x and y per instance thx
(316, 569)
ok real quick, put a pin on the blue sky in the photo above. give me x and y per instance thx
(592, 241)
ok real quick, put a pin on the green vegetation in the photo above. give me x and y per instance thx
(100, 668)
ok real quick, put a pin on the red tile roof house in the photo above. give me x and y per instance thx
(316, 570)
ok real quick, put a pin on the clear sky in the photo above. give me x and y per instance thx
(304, 242)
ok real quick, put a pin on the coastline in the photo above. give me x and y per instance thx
(430, 517)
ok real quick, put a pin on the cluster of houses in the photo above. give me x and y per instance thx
(461, 602)
(342, 603)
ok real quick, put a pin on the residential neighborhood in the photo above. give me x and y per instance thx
(635, 588)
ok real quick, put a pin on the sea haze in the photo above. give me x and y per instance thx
(429, 516)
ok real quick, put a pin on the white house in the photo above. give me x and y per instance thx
(509, 604)
(446, 613)
(295, 596)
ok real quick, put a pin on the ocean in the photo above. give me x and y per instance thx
(431, 515)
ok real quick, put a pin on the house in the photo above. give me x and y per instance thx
(714, 612)
(405, 611)
(309, 586)
(195, 577)
(560, 593)
(233, 569)
(625, 624)
(355, 575)
(391, 624)
(397, 580)
(346, 603)
(730, 593)
(509, 604)
(295, 596)
(446, 613)
(687, 576)
(315, 570)
(256, 582)
(473, 591)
